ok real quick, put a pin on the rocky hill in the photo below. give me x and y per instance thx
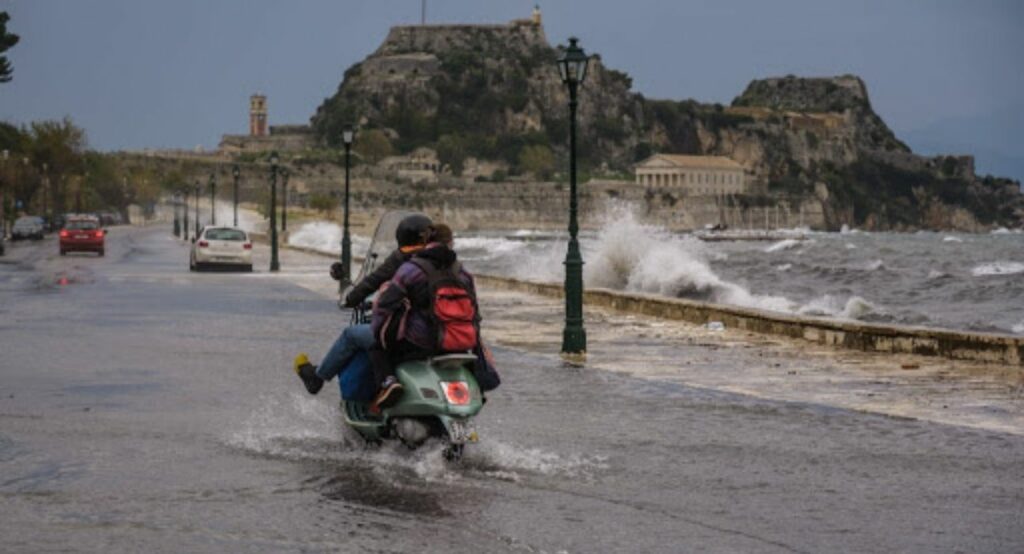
(493, 92)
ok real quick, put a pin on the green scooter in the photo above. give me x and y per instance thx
(439, 399)
(440, 395)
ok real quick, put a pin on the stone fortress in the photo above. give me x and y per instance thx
(706, 164)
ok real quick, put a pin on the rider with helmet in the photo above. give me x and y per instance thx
(411, 235)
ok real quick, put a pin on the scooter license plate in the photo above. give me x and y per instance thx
(462, 431)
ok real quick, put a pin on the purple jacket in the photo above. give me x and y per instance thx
(408, 289)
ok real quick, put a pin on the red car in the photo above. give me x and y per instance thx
(82, 234)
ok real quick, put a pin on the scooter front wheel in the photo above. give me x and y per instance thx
(453, 452)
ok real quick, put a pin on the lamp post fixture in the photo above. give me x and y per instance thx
(275, 265)
(346, 240)
(213, 199)
(573, 68)
(196, 236)
(185, 210)
(284, 198)
(236, 172)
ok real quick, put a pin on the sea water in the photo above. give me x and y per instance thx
(957, 281)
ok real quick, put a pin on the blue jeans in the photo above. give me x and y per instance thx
(352, 339)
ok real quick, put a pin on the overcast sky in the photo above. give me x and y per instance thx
(946, 75)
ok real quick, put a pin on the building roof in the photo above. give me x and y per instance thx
(693, 162)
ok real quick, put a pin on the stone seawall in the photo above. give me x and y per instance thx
(1002, 350)
(957, 345)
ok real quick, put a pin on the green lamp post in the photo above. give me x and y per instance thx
(284, 198)
(185, 210)
(196, 236)
(346, 240)
(275, 265)
(236, 173)
(572, 66)
(213, 199)
(176, 203)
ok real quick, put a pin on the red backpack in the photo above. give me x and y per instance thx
(452, 308)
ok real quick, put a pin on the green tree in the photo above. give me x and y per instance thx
(7, 40)
(538, 160)
(322, 203)
(452, 151)
(373, 145)
(59, 145)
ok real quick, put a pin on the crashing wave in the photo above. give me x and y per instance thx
(830, 306)
(326, 237)
(998, 268)
(783, 245)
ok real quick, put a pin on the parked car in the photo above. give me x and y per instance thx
(27, 227)
(82, 234)
(227, 247)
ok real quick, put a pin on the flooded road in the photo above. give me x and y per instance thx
(144, 408)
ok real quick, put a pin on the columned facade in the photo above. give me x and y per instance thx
(693, 175)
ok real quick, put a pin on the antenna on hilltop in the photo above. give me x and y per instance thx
(423, 13)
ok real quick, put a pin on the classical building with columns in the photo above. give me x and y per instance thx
(693, 175)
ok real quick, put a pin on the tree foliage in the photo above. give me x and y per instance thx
(373, 145)
(538, 160)
(7, 40)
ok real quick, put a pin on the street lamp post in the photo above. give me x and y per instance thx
(213, 199)
(573, 68)
(45, 181)
(284, 198)
(176, 205)
(236, 172)
(185, 210)
(196, 235)
(346, 240)
(3, 197)
(275, 265)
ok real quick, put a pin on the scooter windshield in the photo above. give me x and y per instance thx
(383, 241)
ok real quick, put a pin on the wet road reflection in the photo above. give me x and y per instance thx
(144, 408)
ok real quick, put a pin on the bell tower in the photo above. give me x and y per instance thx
(258, 115)
(535, 17)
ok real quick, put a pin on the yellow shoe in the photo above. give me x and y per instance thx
(301, 360)
(307, 372)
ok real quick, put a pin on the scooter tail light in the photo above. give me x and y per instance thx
(456, 392)
(203, 244)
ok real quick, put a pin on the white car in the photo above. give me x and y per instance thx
(221, 247)
(27, 227)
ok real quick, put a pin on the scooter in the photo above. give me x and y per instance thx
(440, 395)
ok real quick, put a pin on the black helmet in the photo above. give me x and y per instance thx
(412, 230)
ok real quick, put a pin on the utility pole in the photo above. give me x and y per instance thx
(423, 13)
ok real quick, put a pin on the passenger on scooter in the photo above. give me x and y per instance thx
(402, 322)
(411, 234)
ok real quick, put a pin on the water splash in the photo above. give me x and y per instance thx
(786, 244)
(998, 268)
(325, 236)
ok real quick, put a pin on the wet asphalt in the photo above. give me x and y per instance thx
(146, 408)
